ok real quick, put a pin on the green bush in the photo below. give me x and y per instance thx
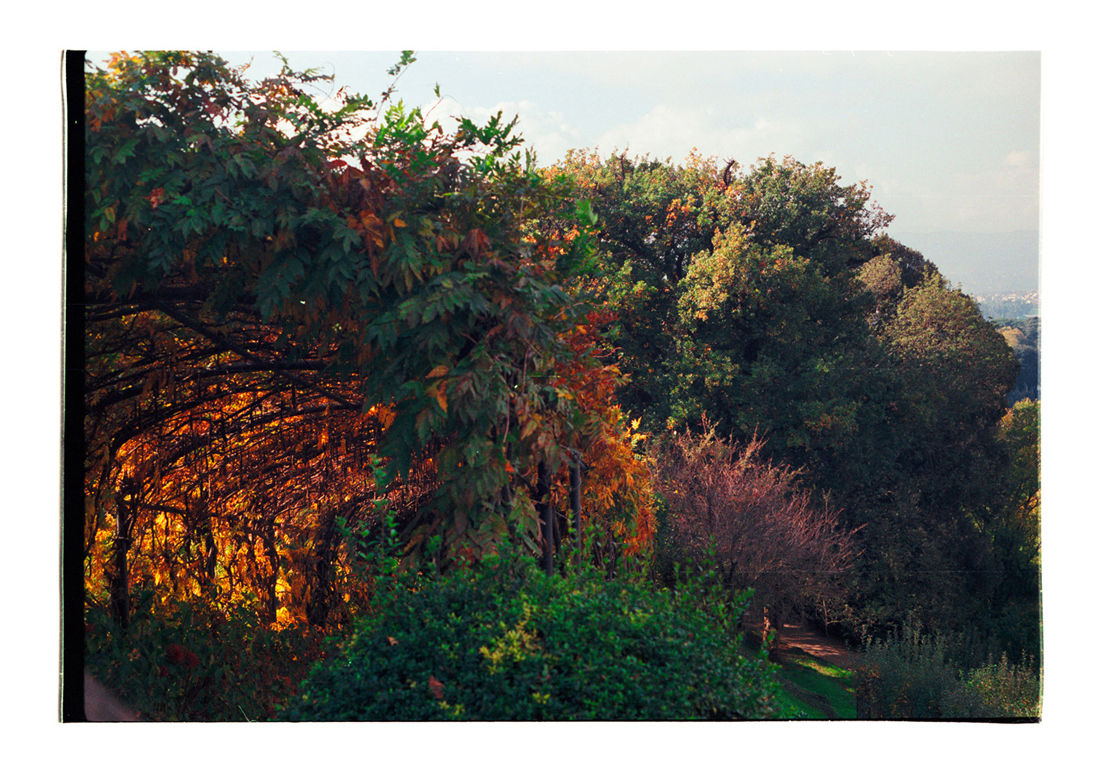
(185, 661)
(912, 676)
(904, 677)
(997, 690)
(506, 642)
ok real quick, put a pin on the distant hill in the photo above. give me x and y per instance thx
(981, 263)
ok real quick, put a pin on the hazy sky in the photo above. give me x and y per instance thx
(949, 141)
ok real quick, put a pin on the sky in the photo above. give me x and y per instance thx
(949, 141)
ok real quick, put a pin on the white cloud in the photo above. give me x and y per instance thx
(672, 132)
(545, 131)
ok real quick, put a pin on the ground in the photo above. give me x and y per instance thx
(803, 638)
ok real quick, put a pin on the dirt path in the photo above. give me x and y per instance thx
(805, 639)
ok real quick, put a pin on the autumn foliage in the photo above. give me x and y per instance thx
(756, 524)
(302, 320)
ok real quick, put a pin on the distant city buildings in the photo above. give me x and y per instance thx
(1009, 305)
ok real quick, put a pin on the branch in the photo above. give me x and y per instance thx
(243, 353)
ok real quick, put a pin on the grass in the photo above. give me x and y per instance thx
(820, 690)
(813, 689)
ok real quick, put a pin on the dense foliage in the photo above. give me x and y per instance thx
(298, 319)
(511, 643)
(770, 303)
(185, 661)
(311, 331)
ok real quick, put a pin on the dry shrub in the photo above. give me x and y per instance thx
(761, 528)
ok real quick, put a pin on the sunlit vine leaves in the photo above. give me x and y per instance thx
(300, 318)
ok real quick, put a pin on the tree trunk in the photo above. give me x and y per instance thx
(209, 548)
(120, 574)
(575, 503)
(269, 608)
(773, 623)
(546, 515)
(320, 592)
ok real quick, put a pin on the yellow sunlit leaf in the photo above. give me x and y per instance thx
(441, 398)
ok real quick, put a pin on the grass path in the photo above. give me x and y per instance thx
(819, 689)
(816, 674)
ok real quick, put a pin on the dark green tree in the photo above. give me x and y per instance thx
(1012, 526)
(771, 303)
(926, 554)
(787, 203)
(653, 219)
(958, 371)
(721, 278)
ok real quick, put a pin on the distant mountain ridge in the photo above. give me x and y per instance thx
(981, 263)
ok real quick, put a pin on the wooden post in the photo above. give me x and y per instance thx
(120, 579)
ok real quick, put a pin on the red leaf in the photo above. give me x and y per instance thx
(436, 686)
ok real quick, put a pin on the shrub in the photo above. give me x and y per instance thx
(185, 661)
(506, 642)
(912, 676)
(754, 520)
(997, 690)
(904, 677)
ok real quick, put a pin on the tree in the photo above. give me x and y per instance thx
(1023, 338)
(1012, 525)
(941, 466)
(759, 525)
(787, 203)
(894, 269)
(653, 218)
(958, 371)
(788, 236)
(768, 344)
(771, 303)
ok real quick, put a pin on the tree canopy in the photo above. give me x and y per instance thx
(770, 303)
